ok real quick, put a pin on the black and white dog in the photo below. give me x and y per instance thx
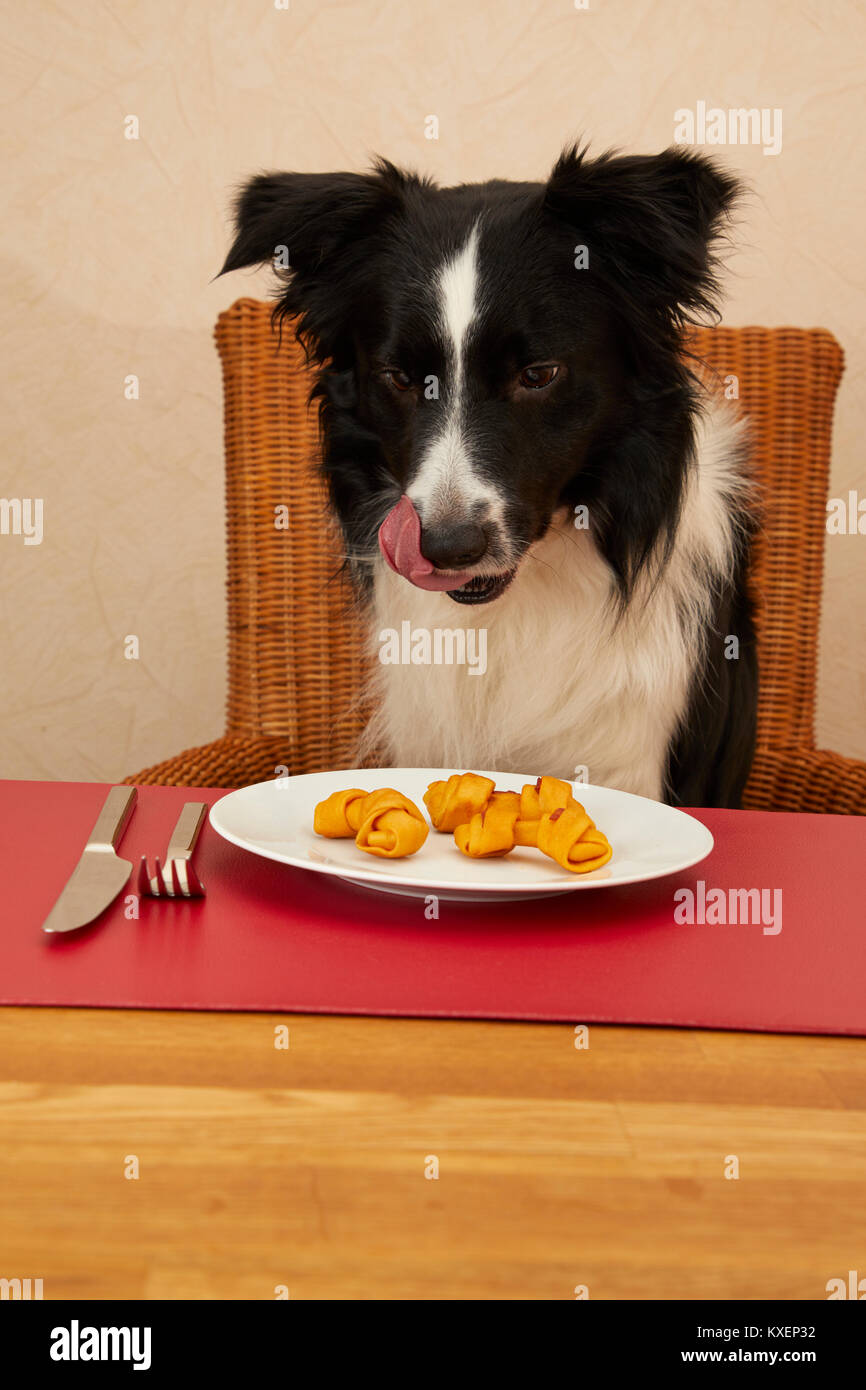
(509, 421)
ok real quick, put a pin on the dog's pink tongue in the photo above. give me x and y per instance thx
(400, 543)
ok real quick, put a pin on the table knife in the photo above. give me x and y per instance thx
(99, 874)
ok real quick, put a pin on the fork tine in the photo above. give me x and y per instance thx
(177, 888)
(159, 880)
(194, 883)
(144, 888)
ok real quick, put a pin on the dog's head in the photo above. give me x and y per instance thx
(492, 352)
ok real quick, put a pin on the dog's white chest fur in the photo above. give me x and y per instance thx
(573, 686)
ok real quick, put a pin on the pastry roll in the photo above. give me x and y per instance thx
(390, 825)
(339, 816)
(526, 833)
(570, 837)
(490, 833)
(548, 794)
(456, 801)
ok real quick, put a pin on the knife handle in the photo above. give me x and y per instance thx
(113, 817)
(185, 833)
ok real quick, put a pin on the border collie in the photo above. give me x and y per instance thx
(514, 440)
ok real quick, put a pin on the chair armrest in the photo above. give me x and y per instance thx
(231, 761)
(806, 779)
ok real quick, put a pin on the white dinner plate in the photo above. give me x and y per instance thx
(275, 819)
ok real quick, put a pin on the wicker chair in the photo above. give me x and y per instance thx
(295, 665)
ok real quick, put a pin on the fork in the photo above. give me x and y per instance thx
(178, 879)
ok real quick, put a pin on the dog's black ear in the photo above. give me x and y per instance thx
(312, 216)
(317, 230)
(650, 221)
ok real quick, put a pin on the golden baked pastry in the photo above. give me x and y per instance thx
(548, 794)
(566, 834)
(571, 838)
(487, 824)
(339, 815)
(490, 833)
(391, 825)
(456, 801)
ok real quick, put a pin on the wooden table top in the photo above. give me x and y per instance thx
(310, 1168)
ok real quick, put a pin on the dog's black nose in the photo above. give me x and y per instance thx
(454, 545)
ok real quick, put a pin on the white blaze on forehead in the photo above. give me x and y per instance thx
(458, 294)
(446, 483)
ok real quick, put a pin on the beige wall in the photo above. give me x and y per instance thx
(109, 245)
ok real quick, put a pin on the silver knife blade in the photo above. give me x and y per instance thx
(99, 874)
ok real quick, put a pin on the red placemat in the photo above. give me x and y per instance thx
(278, 939)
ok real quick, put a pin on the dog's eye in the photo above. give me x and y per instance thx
(399, 380)
(535, 378)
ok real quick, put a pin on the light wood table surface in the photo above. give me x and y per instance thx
(305, 1167)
